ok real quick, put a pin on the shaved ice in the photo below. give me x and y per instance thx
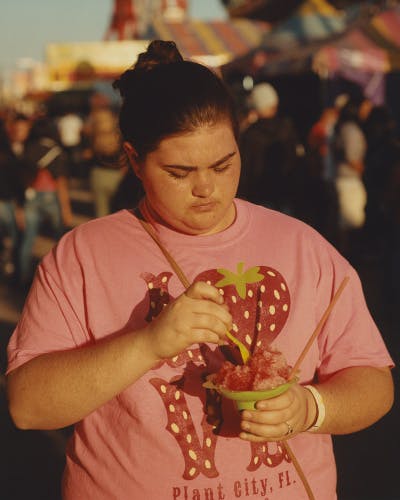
(265, 370)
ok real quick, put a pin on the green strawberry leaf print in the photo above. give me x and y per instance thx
(240, 279)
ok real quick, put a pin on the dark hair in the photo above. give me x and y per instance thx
(380, 125)
(20, 117)
(349, 113)
(164, 95)
(44, 127)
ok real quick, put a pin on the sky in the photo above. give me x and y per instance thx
(27, 25)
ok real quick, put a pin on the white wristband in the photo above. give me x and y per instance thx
(320, 408)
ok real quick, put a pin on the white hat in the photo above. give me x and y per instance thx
(264, 96)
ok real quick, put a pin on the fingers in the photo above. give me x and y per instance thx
(275, 419)
(210, 316)
(196, 316)
(263, 426)
(202, 290)
(259, 434)
(210, 313)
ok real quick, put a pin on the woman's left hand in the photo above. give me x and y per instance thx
(279, 418)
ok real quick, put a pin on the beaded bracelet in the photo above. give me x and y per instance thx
(320, 409)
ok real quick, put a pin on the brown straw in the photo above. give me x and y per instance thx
(319, 326)
(186, 283)
(181, 275)
(299, 470)
(296, 367)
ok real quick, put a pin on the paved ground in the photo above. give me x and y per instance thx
(31, 462)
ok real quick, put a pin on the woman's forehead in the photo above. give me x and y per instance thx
(203, 142)
(199, 134)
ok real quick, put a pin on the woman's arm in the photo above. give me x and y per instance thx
(354, 399)
(58, 389)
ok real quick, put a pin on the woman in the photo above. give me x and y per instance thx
(110, 339)
(104, 141)
(350, 149)
(11, 201)
(47, 196)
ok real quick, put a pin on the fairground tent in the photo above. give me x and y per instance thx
(360, 43)
(212, 42)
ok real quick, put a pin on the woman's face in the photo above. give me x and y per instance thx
(191, 179)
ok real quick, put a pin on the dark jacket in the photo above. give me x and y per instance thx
(268, 153)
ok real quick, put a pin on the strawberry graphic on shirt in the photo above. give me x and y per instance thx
(158, 292)
(258, 299)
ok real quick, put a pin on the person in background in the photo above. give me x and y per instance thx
(46, 197)
(70, 126)
(104, 146)
(268, 149)
(350, 150)
(12, 192)
(18, 128)
(116, 341)
(320, 141)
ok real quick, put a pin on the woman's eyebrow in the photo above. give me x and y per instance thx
(190, 168)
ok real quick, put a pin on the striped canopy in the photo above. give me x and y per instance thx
(374, 47)
(216, 42)
(359, 43)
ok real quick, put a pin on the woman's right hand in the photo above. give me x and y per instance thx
(196, 316)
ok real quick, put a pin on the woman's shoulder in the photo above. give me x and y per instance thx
(284, 228)
(98, 235)
(270, 216)
(106, 228)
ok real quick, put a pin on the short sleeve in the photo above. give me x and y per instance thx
(51, 319)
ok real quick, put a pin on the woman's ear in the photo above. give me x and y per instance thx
(133, 157)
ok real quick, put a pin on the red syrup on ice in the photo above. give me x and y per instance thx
(265, 370)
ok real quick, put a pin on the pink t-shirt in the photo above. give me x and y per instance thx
(165, 437)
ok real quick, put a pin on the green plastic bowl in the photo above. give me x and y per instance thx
(246, 400)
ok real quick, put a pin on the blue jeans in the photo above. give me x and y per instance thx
(8, 225)
(8, 237)
(42, 206)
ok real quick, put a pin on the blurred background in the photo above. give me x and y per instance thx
(330, 111)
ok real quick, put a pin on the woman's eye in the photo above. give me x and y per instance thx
(222, 168)
(177, 175)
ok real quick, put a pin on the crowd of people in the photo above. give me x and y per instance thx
(342, 177)
(130, 313)
(34, 181)
(39, 154)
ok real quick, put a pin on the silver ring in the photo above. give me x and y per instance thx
(289, 429)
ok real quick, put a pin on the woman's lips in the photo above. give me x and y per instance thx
(205, 206)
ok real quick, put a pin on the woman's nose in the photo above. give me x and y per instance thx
(203, 185)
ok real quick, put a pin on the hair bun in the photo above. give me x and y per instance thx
(158, 52)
